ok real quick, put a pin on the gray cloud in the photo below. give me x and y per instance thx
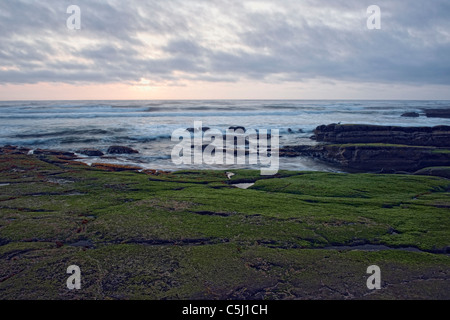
(286, 40)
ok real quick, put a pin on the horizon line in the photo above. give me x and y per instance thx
(220, 99)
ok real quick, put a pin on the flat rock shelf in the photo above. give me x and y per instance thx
(193, 235)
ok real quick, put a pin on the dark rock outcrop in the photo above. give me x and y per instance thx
(437, 113)
(411, 115)
(295, 131)
(54, 153)
(14, 150)
(374, 158)
(438, 136)
(91, 152)
(115, 167)
(121, 150)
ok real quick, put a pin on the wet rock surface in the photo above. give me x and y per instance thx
(192, 235)
(91, 152)
(370, 148)
(411, 115)
(373, 158)
(438, 136)
(121, 150)
(437, 113)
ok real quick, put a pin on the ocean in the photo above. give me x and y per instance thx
(147, 126)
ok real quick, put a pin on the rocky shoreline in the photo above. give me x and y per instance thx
(380, 149)
(437, 113)
(438, 136)
(70, 158)
(349, 147)
(194, 234)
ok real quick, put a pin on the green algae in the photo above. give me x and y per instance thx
(192, 235)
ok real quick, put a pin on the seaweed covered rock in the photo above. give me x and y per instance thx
(443, 172)
(115, 167)
(14, 150)
(54, 153)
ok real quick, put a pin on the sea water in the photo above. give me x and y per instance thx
(148, 125)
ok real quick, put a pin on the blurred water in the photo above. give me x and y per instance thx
(148, 125)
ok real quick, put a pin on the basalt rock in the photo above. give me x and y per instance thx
(91, 152)
(14, 150)
(55, 153)
(121, 150)
(114, 167)
(374, 158)
(411, 115)
(437, 113)
(438, 136)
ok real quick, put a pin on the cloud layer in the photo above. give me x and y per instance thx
(272, 41)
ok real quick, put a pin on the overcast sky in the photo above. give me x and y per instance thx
(225, 49)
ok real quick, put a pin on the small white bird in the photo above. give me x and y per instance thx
(229, 175)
